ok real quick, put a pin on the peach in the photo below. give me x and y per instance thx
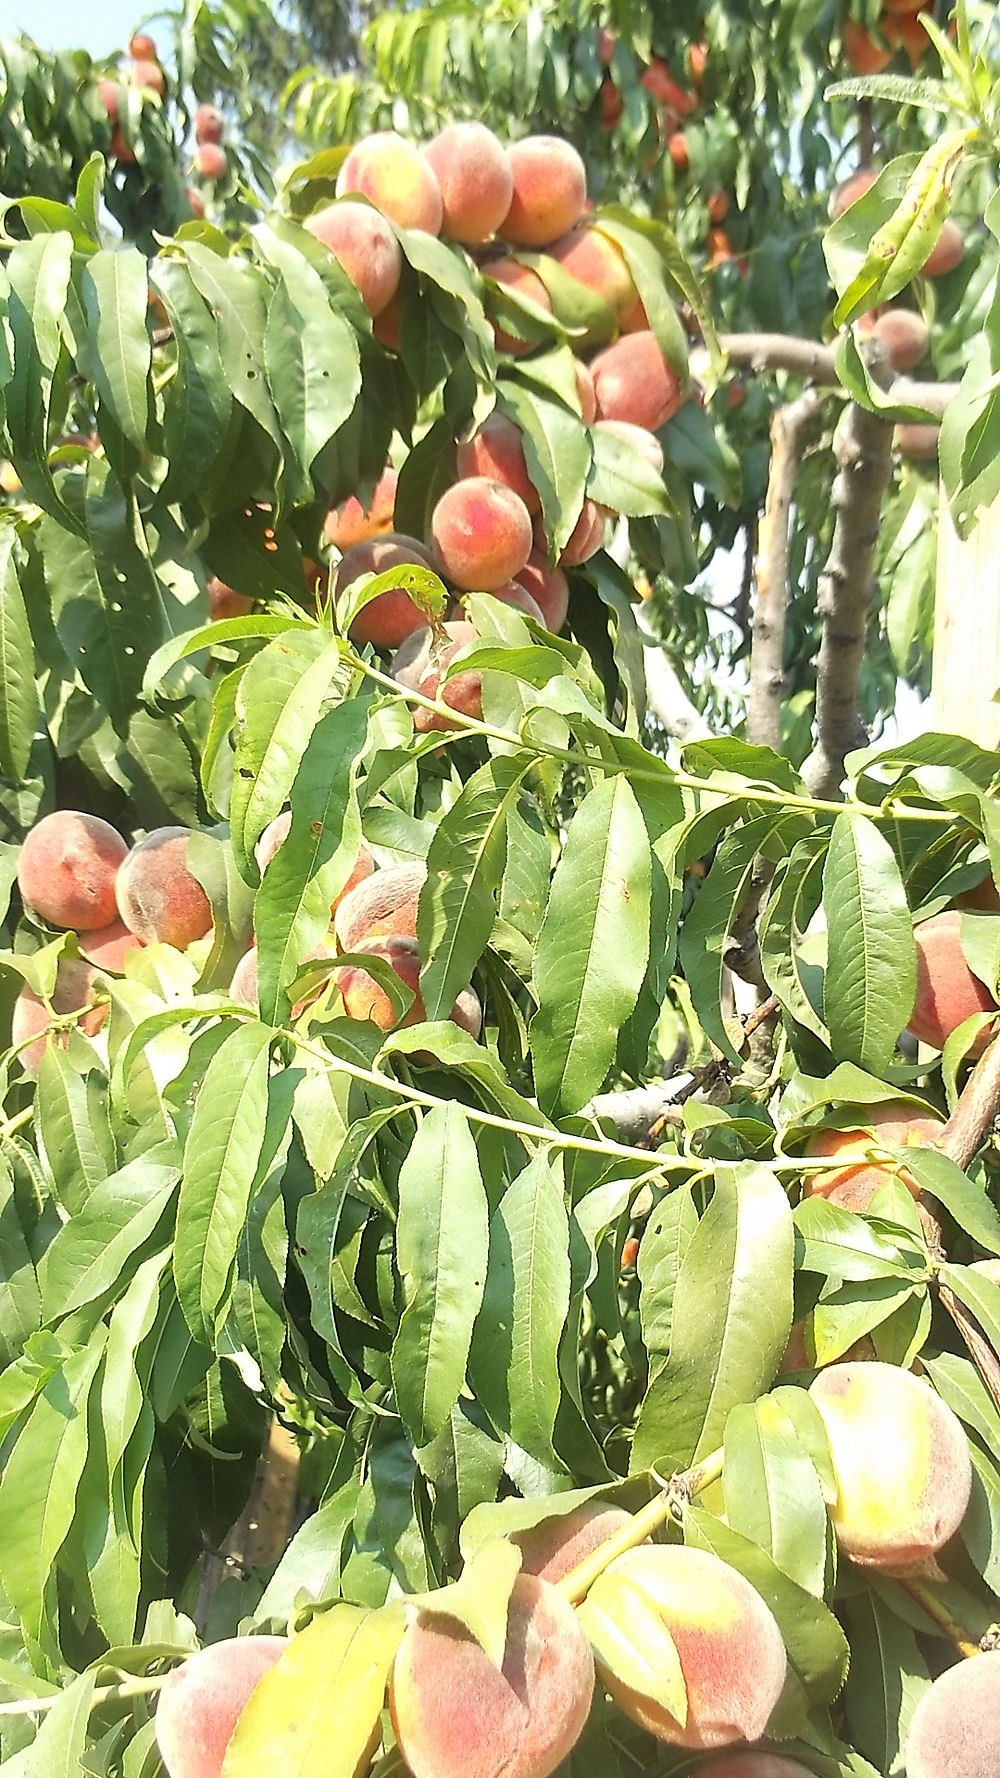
(74, 989)
(386, 326)
(984, 897)
(389, 619)
(121, 150)
(111, 97)
(637, 320)
(420, 664)
(382, 905)
(901, 1463)
(634, 382)
(147, 73)
(639, 438)
(276, 833)
(864, 55)
(208, 124)
(197, 1709)
(908, 34)
(481, 533)
(364, 246)
(584, 540)
(475, 180)
(586, 393)
(159, 898)
(142, 47)
(852, 1187)
(917, 439)
(365, 998)
(904, 334)
(954, 1731)
(497, 451)
(524, 282)
(658, 82)
(947, 990)
(67, 868)
(593, 259)
(109, 947)
(612, 103)
(518, 596)
(850, 190)
(351, 523)
(548, 588)
(394, 176)
(753, 1763)
(728, 1643)
(211, 160)
(552, 1548)
(948, 251)
(550, 191)
(196, 205)
(224, 601)
(456, 1715)
(243, 986)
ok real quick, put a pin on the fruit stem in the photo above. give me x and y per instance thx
(104, 1694)
(950, 1628)
(669, 1504)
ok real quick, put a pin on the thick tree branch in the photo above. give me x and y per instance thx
(665, 695)
(862, 446)
(971, 1123)
(816, 363)
(767, 657)
(635, 1110)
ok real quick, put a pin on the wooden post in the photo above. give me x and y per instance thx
(966, 672)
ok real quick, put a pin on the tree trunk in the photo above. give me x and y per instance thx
(966, 673)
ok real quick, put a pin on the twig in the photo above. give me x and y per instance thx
(862, 446)
(635, 1110)
(104, 1694)
(677, 1492)
(815, 363)
(972, 1120)
(665, 695)
(950, 1628)
(767, 657)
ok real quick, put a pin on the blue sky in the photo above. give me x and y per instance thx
(102, 27)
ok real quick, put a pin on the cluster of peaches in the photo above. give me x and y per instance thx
(898, 28)
(76, 873)
(903, 1479)
(144, 70)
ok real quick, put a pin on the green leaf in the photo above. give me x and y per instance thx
(592, 951)
(871, 971)
(728, 1334)
(237, 294)
(311, 356)
(310, 1566)
(630, 1638)
(59, 1746)
(480, 1598)
(315, 1714)
(92, 1250)
(665, 1240)
(39, 273)
(514, 1361)
(773, 1493)
(221, 1157)
(196, 417)
(887, 1680)
(18, 696)
(114, 285)
(73, 1130)
(465, 863)
(557, 450)
(442, 1235)
(20, 1301)
(844, 1247)
(966, 1201)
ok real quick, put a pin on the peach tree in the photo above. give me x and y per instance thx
(580, 1142)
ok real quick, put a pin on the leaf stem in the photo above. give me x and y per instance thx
(104, 1694)
(951, 1629)
(668, 1504)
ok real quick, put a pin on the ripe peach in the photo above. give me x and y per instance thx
(67, 868)
(606, 41)
(634, 382)
(120, 150)
(549, 589)
(612, 103)
(147, 73)
(109, 946)
(947, 990)
(457, 1716)
(481, 534)
(208, 124)
(243, 986)
(365, 998)
(389, 619)
(394, 176)
(366, 248)
(658, 82)
(638, 437)
(497, 451)
(904, 334)
(475, 181)
(524, 282)
(552, 1548)
(586, 537)
(211, 161)
(110, 93)
(729, 1645)
(718, 206)
(142, 47)
(677, 149)
(947, 252)
(754, 1763)
(351, 523)
(901, 1462)
(196, 203)
(637, 320)
(864, 55)
(850, 190)
(697, 62)
(852, 1187)
(199, 1705)
(159, 898)
(955, 1729)
(593, 259)
(518, 596)
(917, 439)
(276, 833)
(908, 34)
(75, 987)
(550, 191)
(984, 897)
(586, 393)
(420, 664)
(383, 905)
(224, 601)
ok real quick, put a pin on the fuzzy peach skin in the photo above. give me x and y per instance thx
(351, 523)
(224, 601)
(917, 440)
(396, 178)
(595, 262)
(751, 1763)
(947, 991)
(584, 540)
(456, 1715)
(497, 451)
(728, 1643)
(67, 868)
(366, 998)
(481, 533)
(420, 665)
(639, 438)
(850, 190)
(198, 1707)
(634, 382)
(904, 334)
(548, 587)
(852, 1187)
(364, 245)
(955, 1730)
(948, 251)
(586, 393)
(159, 898)
(901, 1462)
(75, 986)
(550, 191)
(516, 594)
(523, 282)
(386, 621)
(384, 904)
(109, 946)
(555, 1546)
(475, 181)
